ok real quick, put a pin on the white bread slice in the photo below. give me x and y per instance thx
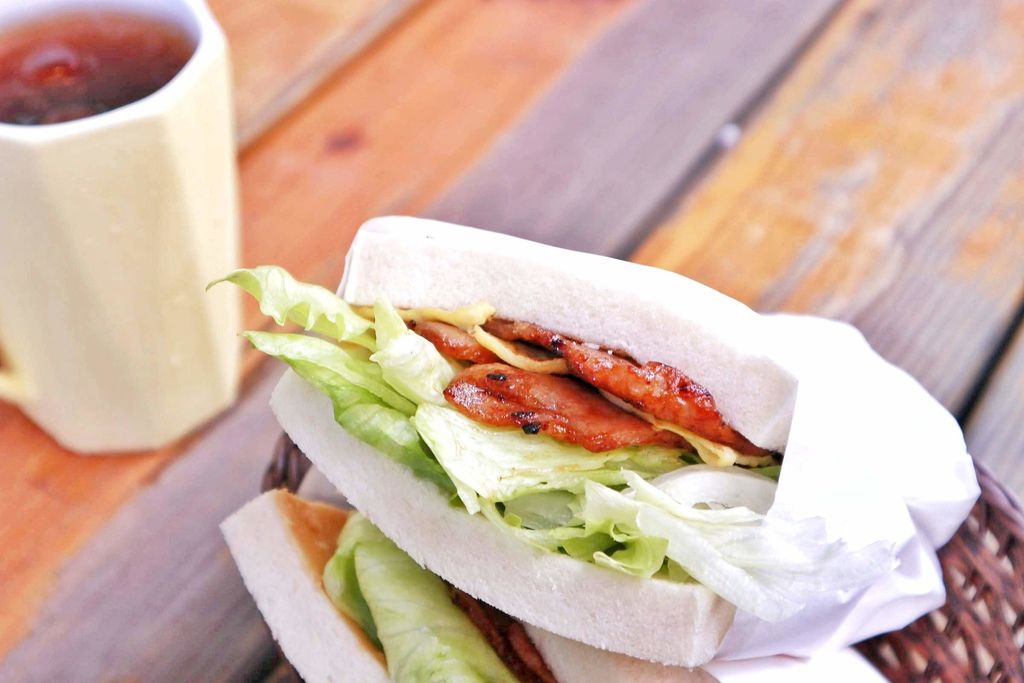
(650, 313)
(271, 538)
(652, 619)
(573, 662)
(319, 641)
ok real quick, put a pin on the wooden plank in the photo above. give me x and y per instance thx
(388, 134)
(157, 597)
(598, 158)
(282, 49)
(882, 184)
(995, 428)
(53, 501)
(402, 123)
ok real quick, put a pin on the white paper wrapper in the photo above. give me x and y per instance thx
(839, 666)
(879, 459)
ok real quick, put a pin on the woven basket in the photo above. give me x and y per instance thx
(978, 635)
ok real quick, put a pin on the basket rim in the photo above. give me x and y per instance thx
(994, 493)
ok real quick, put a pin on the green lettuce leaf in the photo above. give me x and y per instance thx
(500, 464)
(409, 363)
(545, 510)
(598, 540)
(770, 471)
(329, 367)
(666, 528)
(363, 403)
(643, 556)
(425, 637)
(768, 567)
(393, 434)
(585, 544)
(314, 308)
(340, 580)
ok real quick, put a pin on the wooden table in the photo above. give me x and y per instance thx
(862, 160)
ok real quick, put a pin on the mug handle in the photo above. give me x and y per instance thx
(12, 389)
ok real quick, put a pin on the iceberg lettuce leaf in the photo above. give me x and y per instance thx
(642, 556)
(424, 635)
(340, 580)
(314, 308)
(363, 403)
(408, 362)
(769, 567)
(330, 368)
(500, 464)
(393, 434)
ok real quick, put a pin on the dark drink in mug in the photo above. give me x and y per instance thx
(78, 64)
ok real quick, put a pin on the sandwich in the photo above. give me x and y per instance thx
(591, 447)
(345, 604)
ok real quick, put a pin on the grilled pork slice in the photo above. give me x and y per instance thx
(654, 388)
(508, 638)
(561, 407)
(452, 341)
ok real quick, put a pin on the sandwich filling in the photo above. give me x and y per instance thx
(573, 448)
(414, 624)
(426, 630)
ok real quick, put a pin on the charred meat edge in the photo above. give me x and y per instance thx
(652, 387)
(564, 408)
(507, 636)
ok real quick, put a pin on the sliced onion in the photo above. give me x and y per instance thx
(731, 487)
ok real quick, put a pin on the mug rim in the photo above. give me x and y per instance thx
(210, 43)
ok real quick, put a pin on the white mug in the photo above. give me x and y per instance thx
(110, 227)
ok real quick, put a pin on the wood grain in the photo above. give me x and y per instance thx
(882, 184)
(405, 119)
(282, 49)
(591, 165)
(385, 134)
(995, 428)
(157, 597)
(51, 504)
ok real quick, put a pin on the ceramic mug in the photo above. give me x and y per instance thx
(110, 227)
